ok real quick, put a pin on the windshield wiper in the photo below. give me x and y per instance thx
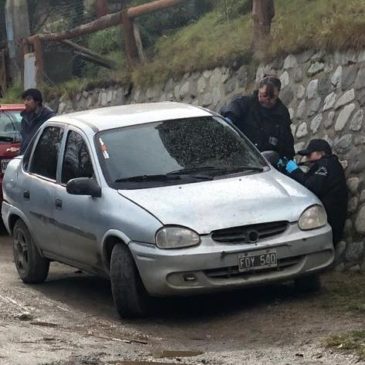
(215, 171)
(142, 178)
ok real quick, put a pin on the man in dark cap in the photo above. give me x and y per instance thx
(263, 118)
(33, 116)
(326, 179)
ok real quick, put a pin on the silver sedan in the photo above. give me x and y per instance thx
(164, 199)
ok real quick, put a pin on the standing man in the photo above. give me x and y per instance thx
(33, 116)
(263, 118)
(326, 179)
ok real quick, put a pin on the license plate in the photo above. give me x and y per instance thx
(4, 164)
(257, 260)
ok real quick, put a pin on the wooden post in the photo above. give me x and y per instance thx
(101, 8)
(263, 12)
(130, 40)
(38, 52)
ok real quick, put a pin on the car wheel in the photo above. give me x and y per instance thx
(130, 296)
(309, 283)
(32, 267)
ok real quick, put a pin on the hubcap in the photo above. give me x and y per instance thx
(21, 251)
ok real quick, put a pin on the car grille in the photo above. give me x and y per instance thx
(233, 272)
(249, 234)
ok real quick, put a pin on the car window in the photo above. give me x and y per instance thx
(77, 161)
(45, 157)
(204, 146)
(9, 126)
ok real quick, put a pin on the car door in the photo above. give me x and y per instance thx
(39, 185)
(77, 216)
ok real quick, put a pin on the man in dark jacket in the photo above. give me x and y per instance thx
(263, 118)
(326, 179)
(33, 116)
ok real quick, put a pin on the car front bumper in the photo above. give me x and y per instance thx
(213, 266)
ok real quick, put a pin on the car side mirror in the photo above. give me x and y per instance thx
(272, 156)
(84, 186)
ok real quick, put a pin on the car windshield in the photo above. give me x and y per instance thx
(10, 126)
(175, 152)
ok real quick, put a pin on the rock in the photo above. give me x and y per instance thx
(202, 84)
(312, 89)
(359, 139)
(300, 91)
(26, 316)
(313, 106)
(360, 79)
(315, 68)
(291, 113)
(299, 146)
(360, 221)
(360, 97)
(339, 252)
(329, 102)
(344, 116)
(329, 120)
(242, 76)
(103, 99)
(302, 130)
(287, 95)
(301, 109)
(346, 98)
(354, 252)
(349, 76)
(353, 184)
(357, 163)
(343, 144)
(352, 204)
(298, 75)
(337, 77)
(362, 196)
(290, 62)
(324, 86)
(285, 80)
(357, 120)
(316, 123)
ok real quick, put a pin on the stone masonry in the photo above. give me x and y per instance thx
(325, 95)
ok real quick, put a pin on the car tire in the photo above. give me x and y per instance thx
(31, 266)
(306, 284)
(129, 294)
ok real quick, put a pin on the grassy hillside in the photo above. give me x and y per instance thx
(221, 39)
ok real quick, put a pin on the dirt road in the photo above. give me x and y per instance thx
(70, 319)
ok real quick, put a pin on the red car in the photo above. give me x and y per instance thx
(9, 135)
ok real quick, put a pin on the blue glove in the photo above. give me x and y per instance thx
(291, 166)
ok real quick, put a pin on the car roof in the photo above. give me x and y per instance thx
(10, 107)
(132, 114)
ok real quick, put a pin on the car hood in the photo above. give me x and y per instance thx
(223, 203)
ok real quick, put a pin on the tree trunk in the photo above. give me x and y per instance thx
(263, 12)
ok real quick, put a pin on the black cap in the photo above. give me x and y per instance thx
(316, 145)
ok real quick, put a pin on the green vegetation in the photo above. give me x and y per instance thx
(353, 342)
(345, 292)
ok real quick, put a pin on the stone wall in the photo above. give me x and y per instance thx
(325, 95)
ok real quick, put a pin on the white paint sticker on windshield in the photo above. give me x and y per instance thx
(104, 149)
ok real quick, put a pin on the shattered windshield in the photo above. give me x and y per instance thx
(174, 152)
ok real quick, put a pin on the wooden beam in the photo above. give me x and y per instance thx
(151, 7)
(130, 41)
(107, 21)
(90, 55)
(38, 52)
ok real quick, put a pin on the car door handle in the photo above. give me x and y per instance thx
(58, 203)
(26, 194)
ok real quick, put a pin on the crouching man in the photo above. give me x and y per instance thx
(326, 179)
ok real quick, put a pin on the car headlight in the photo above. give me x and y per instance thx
(312, 218)
(176, 237)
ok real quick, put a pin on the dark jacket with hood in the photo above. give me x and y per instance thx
(30, 124)
(326, 179)
(267, 129)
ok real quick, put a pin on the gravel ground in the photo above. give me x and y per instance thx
(70, 319)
